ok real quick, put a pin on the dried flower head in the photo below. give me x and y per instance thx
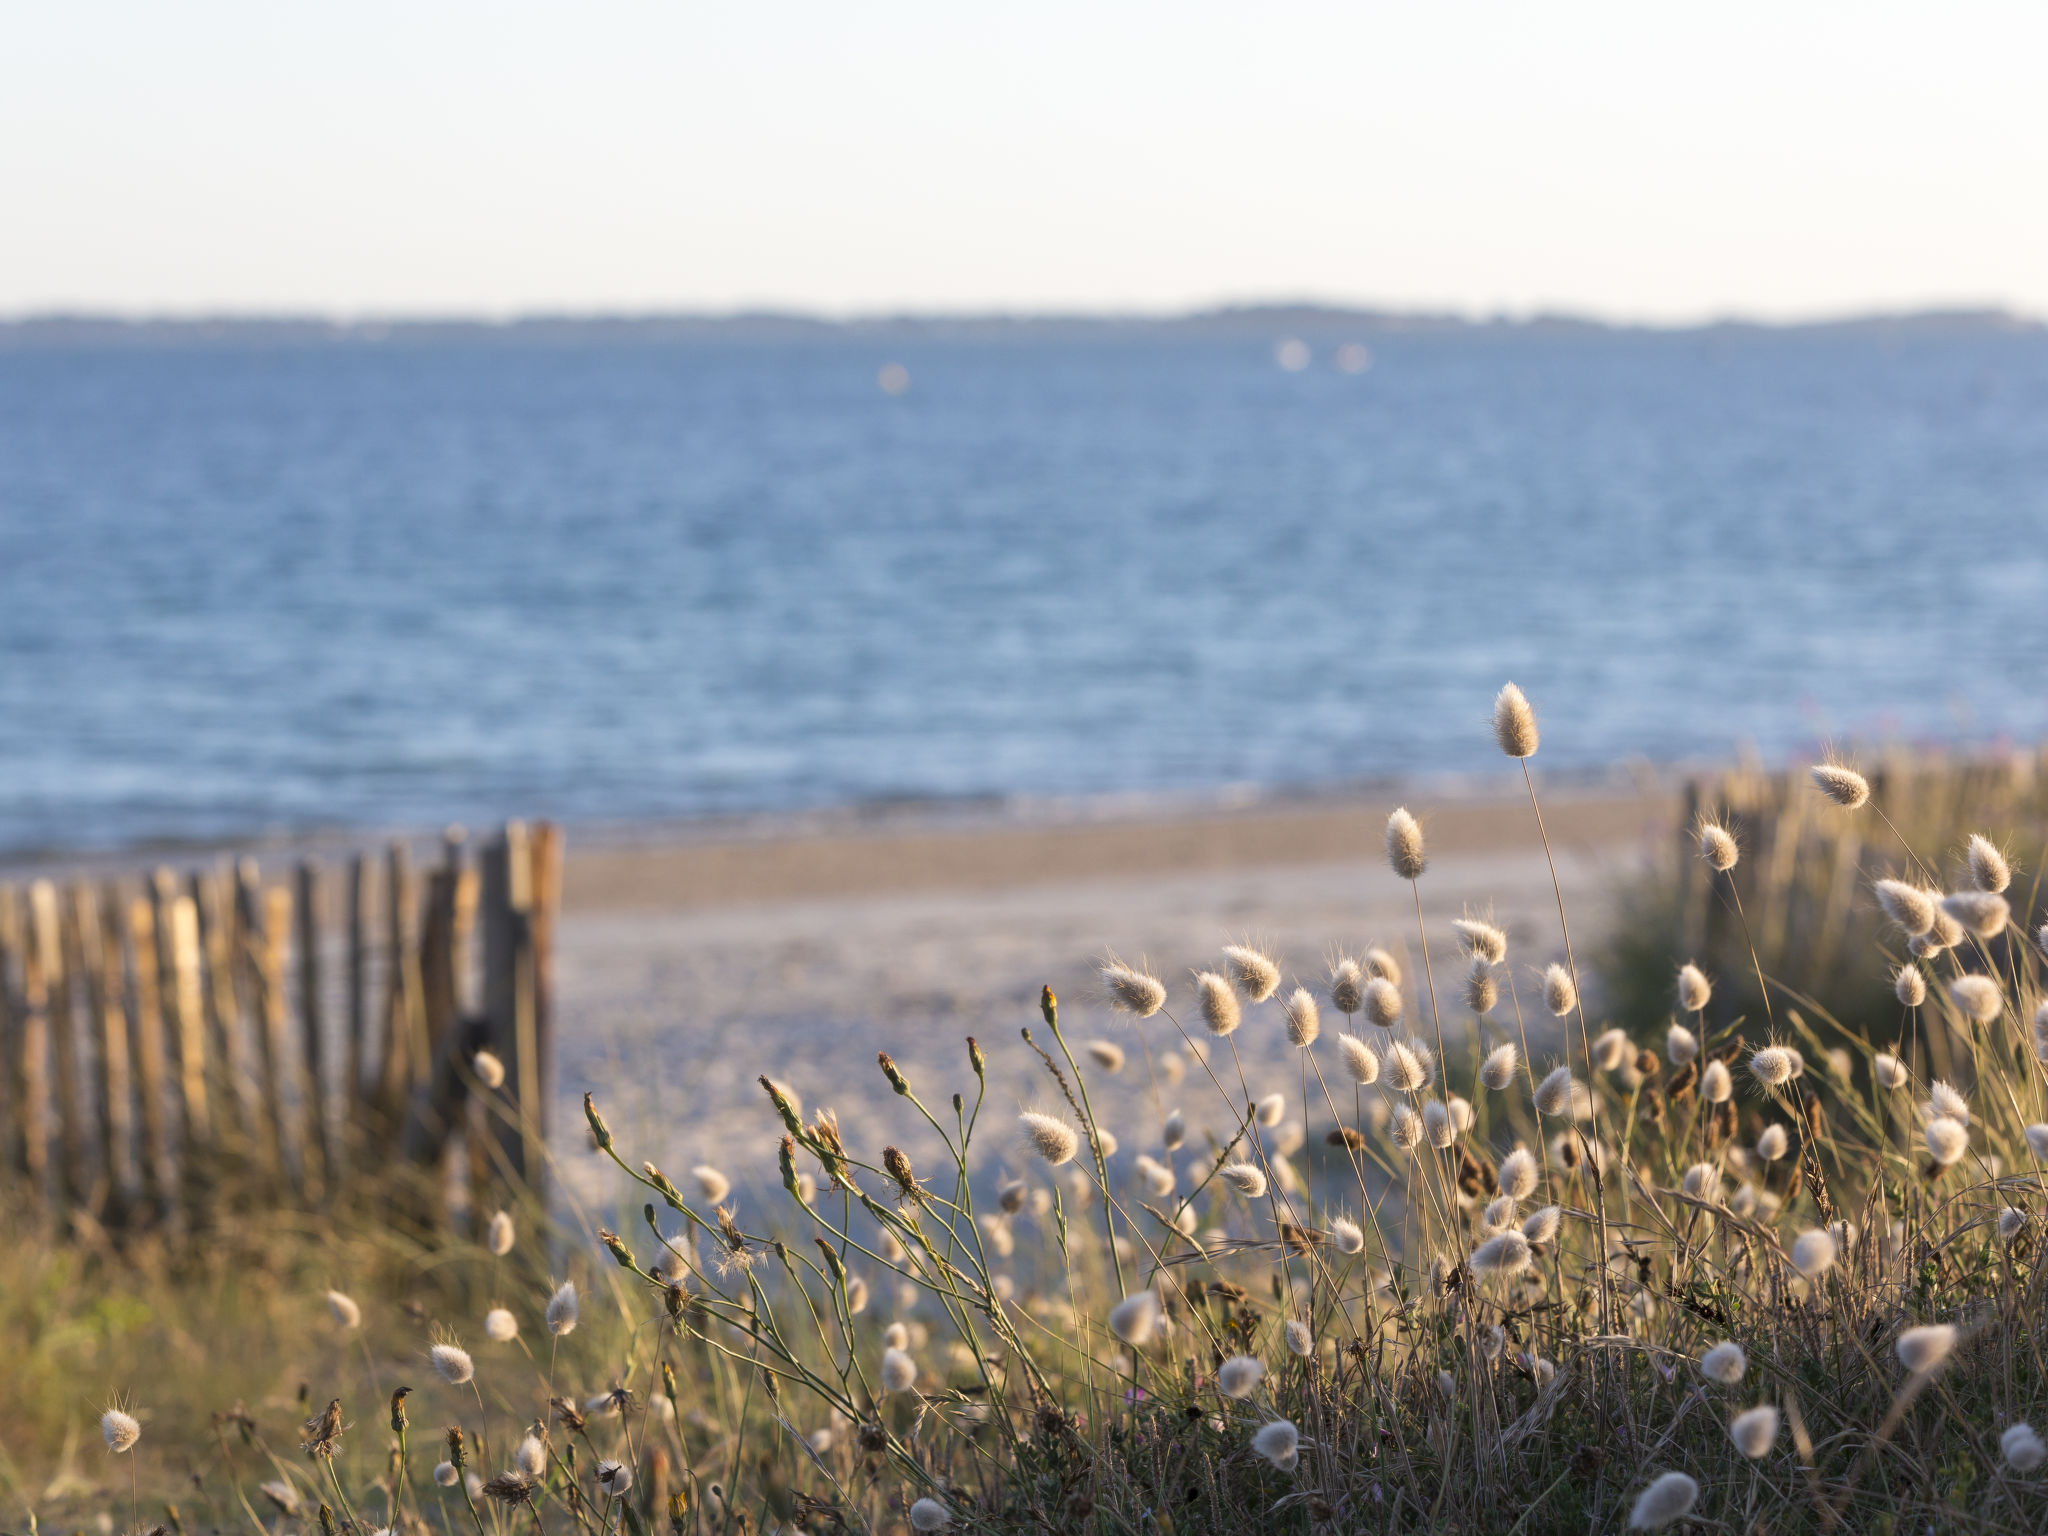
(1106, 1054)
(1977, 997)
(713, 1185)
(489, 1070)
(1132, 991)
(2022, 1448)
(500, 1326)
(1271, 1109)
(1888, 1072)
(530, 1456)
(1554, 1094)
(1346, 1236)
(1248, 1179)
(1218, 1003)
(1299, 1340)
(446, 1474)
(1909, 907)
(1947, 1141)
(1383, 1002)
(1159, 1177)
(452, 1362)
(2011, 1223)
(1517, 1175)
(344, 1309)
(1982, 914)
(1404, 845)
(120, 1430)
(498, 1234)
(1347, 986)
(1136, 1318)
(1813, 1253)
(929, 1515)
(1910, 985)
(510, 1488)
(899, 1371)
(1772, 1143)
(1514, 722)
(1771, 1065)
(1437, 1125)
(1755, 1431)
(1922, 1349)
(1279, 1442)
(1360, 1059)
(1405, 1068)
(1716, 1085)
(1251, 970)
(1671, 1497)
(1611, 1049)
(1681, 1045)
(1560, 993)
(1051, 1139)
(1498, 1070)
(1990, 870)
(562, 1309)
(1541, 1226)
(614, 1477)
(1481, 940)
(1379, 963)
(2037, 1142)
(1406, 1128)
(1173, 1131)
(1482, 991)
(1304, 1021)
(1504, 1253)
(1724, 1362)
(1718, 846)
(1841, 784)
(1239, 1376)
(1942, 1099)
(1694, 991)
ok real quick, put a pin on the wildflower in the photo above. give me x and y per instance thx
(561, 1311)
(1174, 1131)
(1360, 1060)
(1671, 1497)
(500, 1326)
(1279, 1442)
(1681, 1045)
(1725, 1363)
(1436, 1124)
(120, 1430)
(1716, 1086)
(614, 1477)
(1347, 987)
(2037, 1142)
(453, 1363)
(1694, 991)
(1843, 785)
(1888, 1071)
(498, 1234)
(1911, 908)
(1299, 1340)
(1554, 1094)
(1255, 972)
(1771, 1065)
(1107, 1055)
(1610, 1050)
(1983, 914)
(489, 1070)
(1498, 1070)
(1246, 1178)
(1989, 869)
(530, 1456)
(1481, 990)
(1922, 1349)
(1718, 846)
(1304, 1023)
(1383, 1002)
(1977, 996)
(1404, 845)
(2022, 1448)
(1132, 991)
(1517, 1175)
(445, 1474)
(1136, 1318)
(1405, 1071)
(1052, 1139)
(345, 1310)
(1514, 722)
(510, 1488)
(929, 1515)
(1755, 1431)
(1541, 1226)
(1947, 1141)
(1346, 1236)
(1504, 1253)
(1219, 1004)
(899, 1371)
(1158, 1177)
(1942, 1099)
(1239, 1376)
(1271, 1110)
(1378, 963)
(1813, 1253)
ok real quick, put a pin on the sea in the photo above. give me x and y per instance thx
(275, 587)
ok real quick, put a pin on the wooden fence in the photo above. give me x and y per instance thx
(205, 1037)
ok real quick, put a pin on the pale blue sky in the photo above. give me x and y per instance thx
(1641, 161)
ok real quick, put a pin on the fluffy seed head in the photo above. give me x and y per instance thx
(2011, 1223)
(1299, 1340)
(899, 1371)
(1481, 940)
(344, 1309)
(453, 1363)
(1977, 996)
(2037, 1142)
(1611, 1050)
(1942, 1099)
(1718, 846)
(1174, 1131)
(1669, 1498)
(711, 1183)
(1304, 1021)
(1909, 985)
(1158, 1177)
(1517, 1175)
(1716, 1086)
(1219, 1003)
(1499, 1213)
(1406, 1128)
(1560, 996)
(1845, 786)
(445, 1474)
(1514, 722)
(490, 1071)
(896, 1336)
(498, 1235)
(1772, 1143)
(1136, 1318)
(1360, 1059)
(1271, 1110)
(1771, 1065)
(1947, 1141)
(1983, 914)
(1347, 986)
(1239, 1376)
(1540, 1226)
(1724, 1363)
(1911, 908)
(120, 1430)
(1990, 870)
(1504, 1253)
(1498, 1070)
(1248, 1179)
(1106, 1054)
(1755, 1432)
(1554, 1093)
(1132, 991)
(929, 1515)
(561, 1312)
(1436, 1124)
(2022, 1448)
(500, 1326)
(1482, 991)
(1922, 1349)
(1378, 962)
(1813, 1253)
(1680, 1045)
(1702, 1181)
(1050, 1138)
(1346, 1236)
(1694, 991)
(1404, 845)
(530, 1456)
(1251, 970)
(1279, 1442)
(1888, 1071)
(1383, 1002)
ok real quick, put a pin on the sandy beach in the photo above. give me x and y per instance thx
(687, 967)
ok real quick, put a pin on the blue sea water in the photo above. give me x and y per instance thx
(245, 589)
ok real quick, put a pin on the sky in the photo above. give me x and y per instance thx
(1637, 162)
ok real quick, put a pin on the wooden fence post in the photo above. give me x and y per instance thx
(10, 1028)
(68, 1101)
(32, 1042)
(359, 925)
(159, 1167)
(405, 1055)
(312, 1015)
(234, 1079)
(100, 946)
(295, 1131)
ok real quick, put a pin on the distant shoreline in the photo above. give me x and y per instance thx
(85, 331)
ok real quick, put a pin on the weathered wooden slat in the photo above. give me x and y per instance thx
(312, 1013)
(152, 1069)
(32, 1062)
(189, 1014)
(355, 1100)
(10, 1028)
(406, 1059)
(233, 1087)
(283, 1082)
(98, 919)
(67, 1106)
